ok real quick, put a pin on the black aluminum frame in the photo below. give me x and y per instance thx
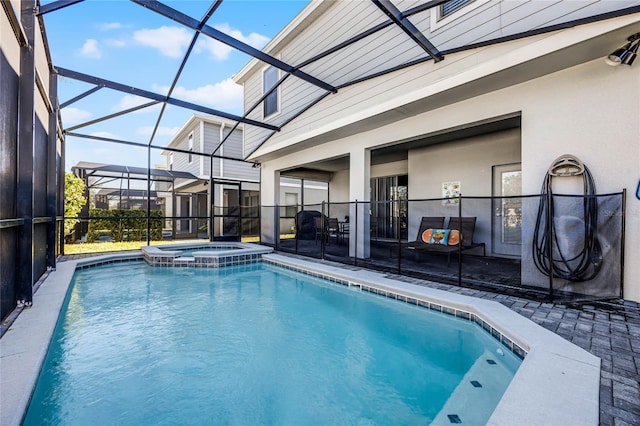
(396, 17)
(31, 18)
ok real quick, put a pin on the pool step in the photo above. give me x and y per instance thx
(477, 394)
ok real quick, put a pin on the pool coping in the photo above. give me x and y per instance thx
(552, 369)
(238, 253)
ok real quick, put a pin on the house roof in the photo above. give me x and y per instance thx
(127, 193)
(117, 171)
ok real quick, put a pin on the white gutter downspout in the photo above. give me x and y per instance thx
(202, 150)
(221, 150)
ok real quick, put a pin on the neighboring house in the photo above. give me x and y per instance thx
(235, 182)
(490, 118)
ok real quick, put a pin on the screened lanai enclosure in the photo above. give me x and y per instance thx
(151, 190)
(178, 204)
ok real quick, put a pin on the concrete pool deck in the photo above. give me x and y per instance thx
(602, 393)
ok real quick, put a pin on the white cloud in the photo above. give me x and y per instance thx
(90, 49)
(131, 101)
(170, 41)
(225, 95)
(221, 51)
(72, 115)
(105, 135)
(162, 131)
(112, 42)
(110, 26)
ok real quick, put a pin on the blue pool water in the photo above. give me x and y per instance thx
(257, 344)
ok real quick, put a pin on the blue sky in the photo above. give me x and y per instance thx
(121, 41)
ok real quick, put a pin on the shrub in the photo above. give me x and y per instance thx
(123, 225)
(74, 200)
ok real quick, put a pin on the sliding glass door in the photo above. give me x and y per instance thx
(389, 207)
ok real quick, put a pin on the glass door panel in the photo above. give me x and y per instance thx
(507, 208)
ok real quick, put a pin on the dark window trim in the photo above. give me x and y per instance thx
(273, 98)
(452, 6)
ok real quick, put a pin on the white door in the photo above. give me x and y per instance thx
(507, 210)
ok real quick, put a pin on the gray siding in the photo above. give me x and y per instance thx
(391, 47)
(211, 140)
(235, 169)
(181, 160)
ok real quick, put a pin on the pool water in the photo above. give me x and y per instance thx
(258, 344)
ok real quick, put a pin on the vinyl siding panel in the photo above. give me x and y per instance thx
(180, 160)
(233, 146)
(351, 100)
(239, 170)
(211, 141)
(339, 23)
(391, 47)
(236, 169)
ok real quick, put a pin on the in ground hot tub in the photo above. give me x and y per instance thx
(208, 255)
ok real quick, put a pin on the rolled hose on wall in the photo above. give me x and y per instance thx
(587, 262)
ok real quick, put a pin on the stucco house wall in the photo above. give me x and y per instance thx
(560, 114)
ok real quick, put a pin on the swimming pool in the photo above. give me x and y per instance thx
(207, 255)
(259, 344)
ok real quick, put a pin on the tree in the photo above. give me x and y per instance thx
(74, 200)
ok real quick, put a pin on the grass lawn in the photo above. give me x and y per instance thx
(79, 248)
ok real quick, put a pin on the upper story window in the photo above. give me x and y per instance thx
(171, 161)
(269, 79)
(190, 148)
(451, 6)
(452, 11)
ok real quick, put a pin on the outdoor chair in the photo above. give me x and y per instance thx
(461, 240)
(318, 224)
(467, 227)
(333, 229)
(343, 231)
(427, 222)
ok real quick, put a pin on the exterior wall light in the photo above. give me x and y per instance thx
(626, 54)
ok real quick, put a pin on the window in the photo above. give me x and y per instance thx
(269, 79)
(190, 148)
(171, 161)
(451, 6)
